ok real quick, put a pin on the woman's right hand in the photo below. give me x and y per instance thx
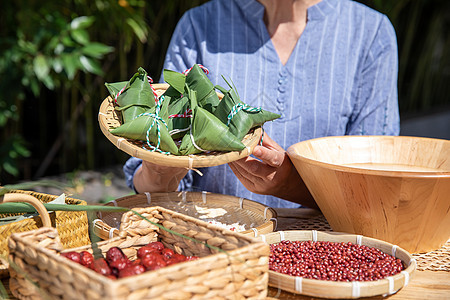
(155, 178)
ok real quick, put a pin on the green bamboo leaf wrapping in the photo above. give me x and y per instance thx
(207, 132)
(178, 126)
(244, 120)
(114, 88)
(207, 97)
(175, 80)
(137, 129)
(137, 97)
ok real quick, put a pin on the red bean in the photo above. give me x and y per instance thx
(332, 261)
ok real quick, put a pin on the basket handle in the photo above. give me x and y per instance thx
(40, 208)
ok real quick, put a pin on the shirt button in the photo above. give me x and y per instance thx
(281, 88)
(283, 73)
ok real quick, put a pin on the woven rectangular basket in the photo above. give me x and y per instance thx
(239, 272)
(73, 227)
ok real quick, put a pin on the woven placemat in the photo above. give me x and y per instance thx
(438, 260)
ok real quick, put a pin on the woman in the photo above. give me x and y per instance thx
(327, 67)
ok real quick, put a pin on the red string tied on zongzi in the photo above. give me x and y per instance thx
(186, 114)
(201, 67)
(150, 81)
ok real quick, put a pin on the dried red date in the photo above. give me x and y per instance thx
(158, 264)
(131, 270)
(157, 245)
(114, 253)
(179, 257)
(101, 266)
(192, 257)
(116, 264)
(141, 252)
(86, 259)
(153, 261)
(167, 253)
(73, 256)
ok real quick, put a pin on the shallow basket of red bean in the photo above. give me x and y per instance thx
(146, 261)
(336, 265)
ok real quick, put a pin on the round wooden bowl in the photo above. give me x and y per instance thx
(340, 289)
(257, 218)
(393, 188)
(109, 118)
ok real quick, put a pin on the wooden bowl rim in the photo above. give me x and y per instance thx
(364, 171)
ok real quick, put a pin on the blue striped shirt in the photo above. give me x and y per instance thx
(341, 78)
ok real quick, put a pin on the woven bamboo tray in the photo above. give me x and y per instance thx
(257, 218)
(335, 289)
(109, 118)
(241, 273)
(71, 226)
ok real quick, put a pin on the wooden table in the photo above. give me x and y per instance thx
(424, 285)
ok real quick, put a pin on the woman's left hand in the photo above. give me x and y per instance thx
(271, 172)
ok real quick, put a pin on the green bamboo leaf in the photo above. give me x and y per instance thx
(139, 30)
(70, 64)
(96, 50)
(137, 97)
(80, 35)
(29, 185)
(90, 65)
(175, 80)
(16, 207)
(40, 66)
(3, 292)
(9, 167)
(82, 22)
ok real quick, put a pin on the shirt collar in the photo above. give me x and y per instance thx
(254, 9)
(321, 9)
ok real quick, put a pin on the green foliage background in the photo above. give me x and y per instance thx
(56, 55)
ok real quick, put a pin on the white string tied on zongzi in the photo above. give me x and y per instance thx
(262, 137)
(193, 142)
(241, 106)
(156, 118)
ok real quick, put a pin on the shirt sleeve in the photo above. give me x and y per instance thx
(129, 169)
(376, 111)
